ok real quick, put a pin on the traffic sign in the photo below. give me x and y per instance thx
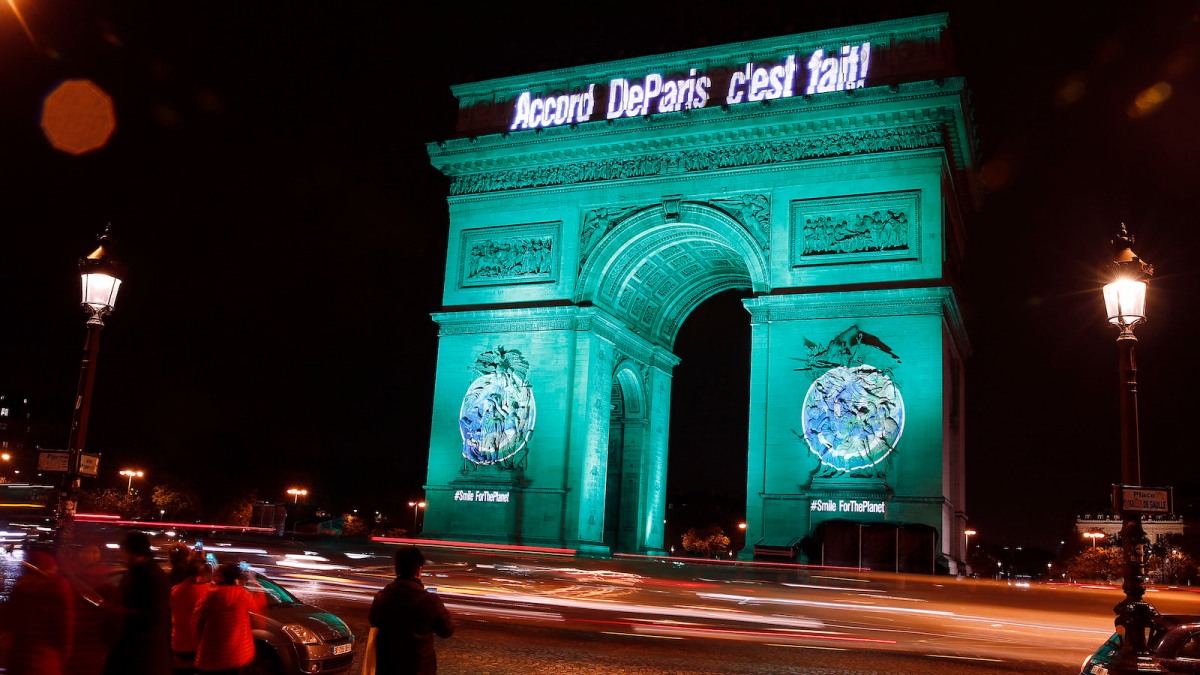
(54, 460)
(89, 464)
(1140, 499)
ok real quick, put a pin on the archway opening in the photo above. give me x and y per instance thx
(710, 416)
(615, 493)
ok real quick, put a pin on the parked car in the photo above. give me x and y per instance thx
(1174, 644)
(293, 638)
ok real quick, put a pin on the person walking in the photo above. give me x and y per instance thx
(407, 616)
(40, 617)
(224, 639)
(95, 586)
(144, 644)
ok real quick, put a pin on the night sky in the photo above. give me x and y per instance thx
(269, 188)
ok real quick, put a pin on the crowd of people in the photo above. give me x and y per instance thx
(79, 616)
(84, 617)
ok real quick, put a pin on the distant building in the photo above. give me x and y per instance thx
(18, 453)
(1157, 526)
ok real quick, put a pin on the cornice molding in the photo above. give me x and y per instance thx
(721, 153)
(682, 142)
(937, 300)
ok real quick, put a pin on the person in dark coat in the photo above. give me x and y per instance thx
(407, 618)
(185, 564)
(144, 594)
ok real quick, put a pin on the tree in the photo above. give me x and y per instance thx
(240, 511)
(1102, 563)
(181, 503)
(384, 528)
(108, 500)
(706, 542)
(1168, 565)
(353, 526)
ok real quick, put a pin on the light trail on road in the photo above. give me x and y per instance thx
(943, 618)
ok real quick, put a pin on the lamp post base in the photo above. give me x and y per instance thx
(1134, 621)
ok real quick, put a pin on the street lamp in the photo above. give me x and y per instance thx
(1125, 302)
(416, 506)
(297, 493)
(1094, 536)
(967, 534)
(100, 276)
(132, 473)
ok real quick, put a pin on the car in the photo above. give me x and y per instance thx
(1174, 645)
(27, 514)
(291, 637)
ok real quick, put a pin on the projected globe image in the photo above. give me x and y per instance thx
(853, 417)
(496, 418)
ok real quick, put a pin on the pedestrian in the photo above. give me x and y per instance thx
(407, 616)
(143, 646)
(183, 564)
(95, 587)
(40, 617)
(225, 641)
(185, 598)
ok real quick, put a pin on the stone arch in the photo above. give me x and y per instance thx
(638, 221)
(628, 422)
(628, 382)
(659, 264)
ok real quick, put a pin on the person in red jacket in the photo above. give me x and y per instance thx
(185, 597)
(225, 641)
(407, 617)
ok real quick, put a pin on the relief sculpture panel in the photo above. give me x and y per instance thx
(855, 229)
(509, 255)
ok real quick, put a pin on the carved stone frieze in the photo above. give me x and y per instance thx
(830, 143)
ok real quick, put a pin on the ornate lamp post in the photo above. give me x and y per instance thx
(297, 493)
(416, 506)
(1125, 302)
(100, 275)
(1093, 536)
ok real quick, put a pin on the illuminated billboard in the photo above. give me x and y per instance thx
(756, 73)
(822, 72)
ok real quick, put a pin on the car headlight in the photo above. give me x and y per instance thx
(300, 634)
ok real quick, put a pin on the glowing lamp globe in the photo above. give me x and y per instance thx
(100, 278)
(1125, 295)
(1125, 300)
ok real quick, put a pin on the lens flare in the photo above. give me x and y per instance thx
(78, 117)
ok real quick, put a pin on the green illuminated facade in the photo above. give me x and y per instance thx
(593, 208)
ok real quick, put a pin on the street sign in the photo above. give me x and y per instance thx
(54, 460)
(89, 464)
(1139, 499)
